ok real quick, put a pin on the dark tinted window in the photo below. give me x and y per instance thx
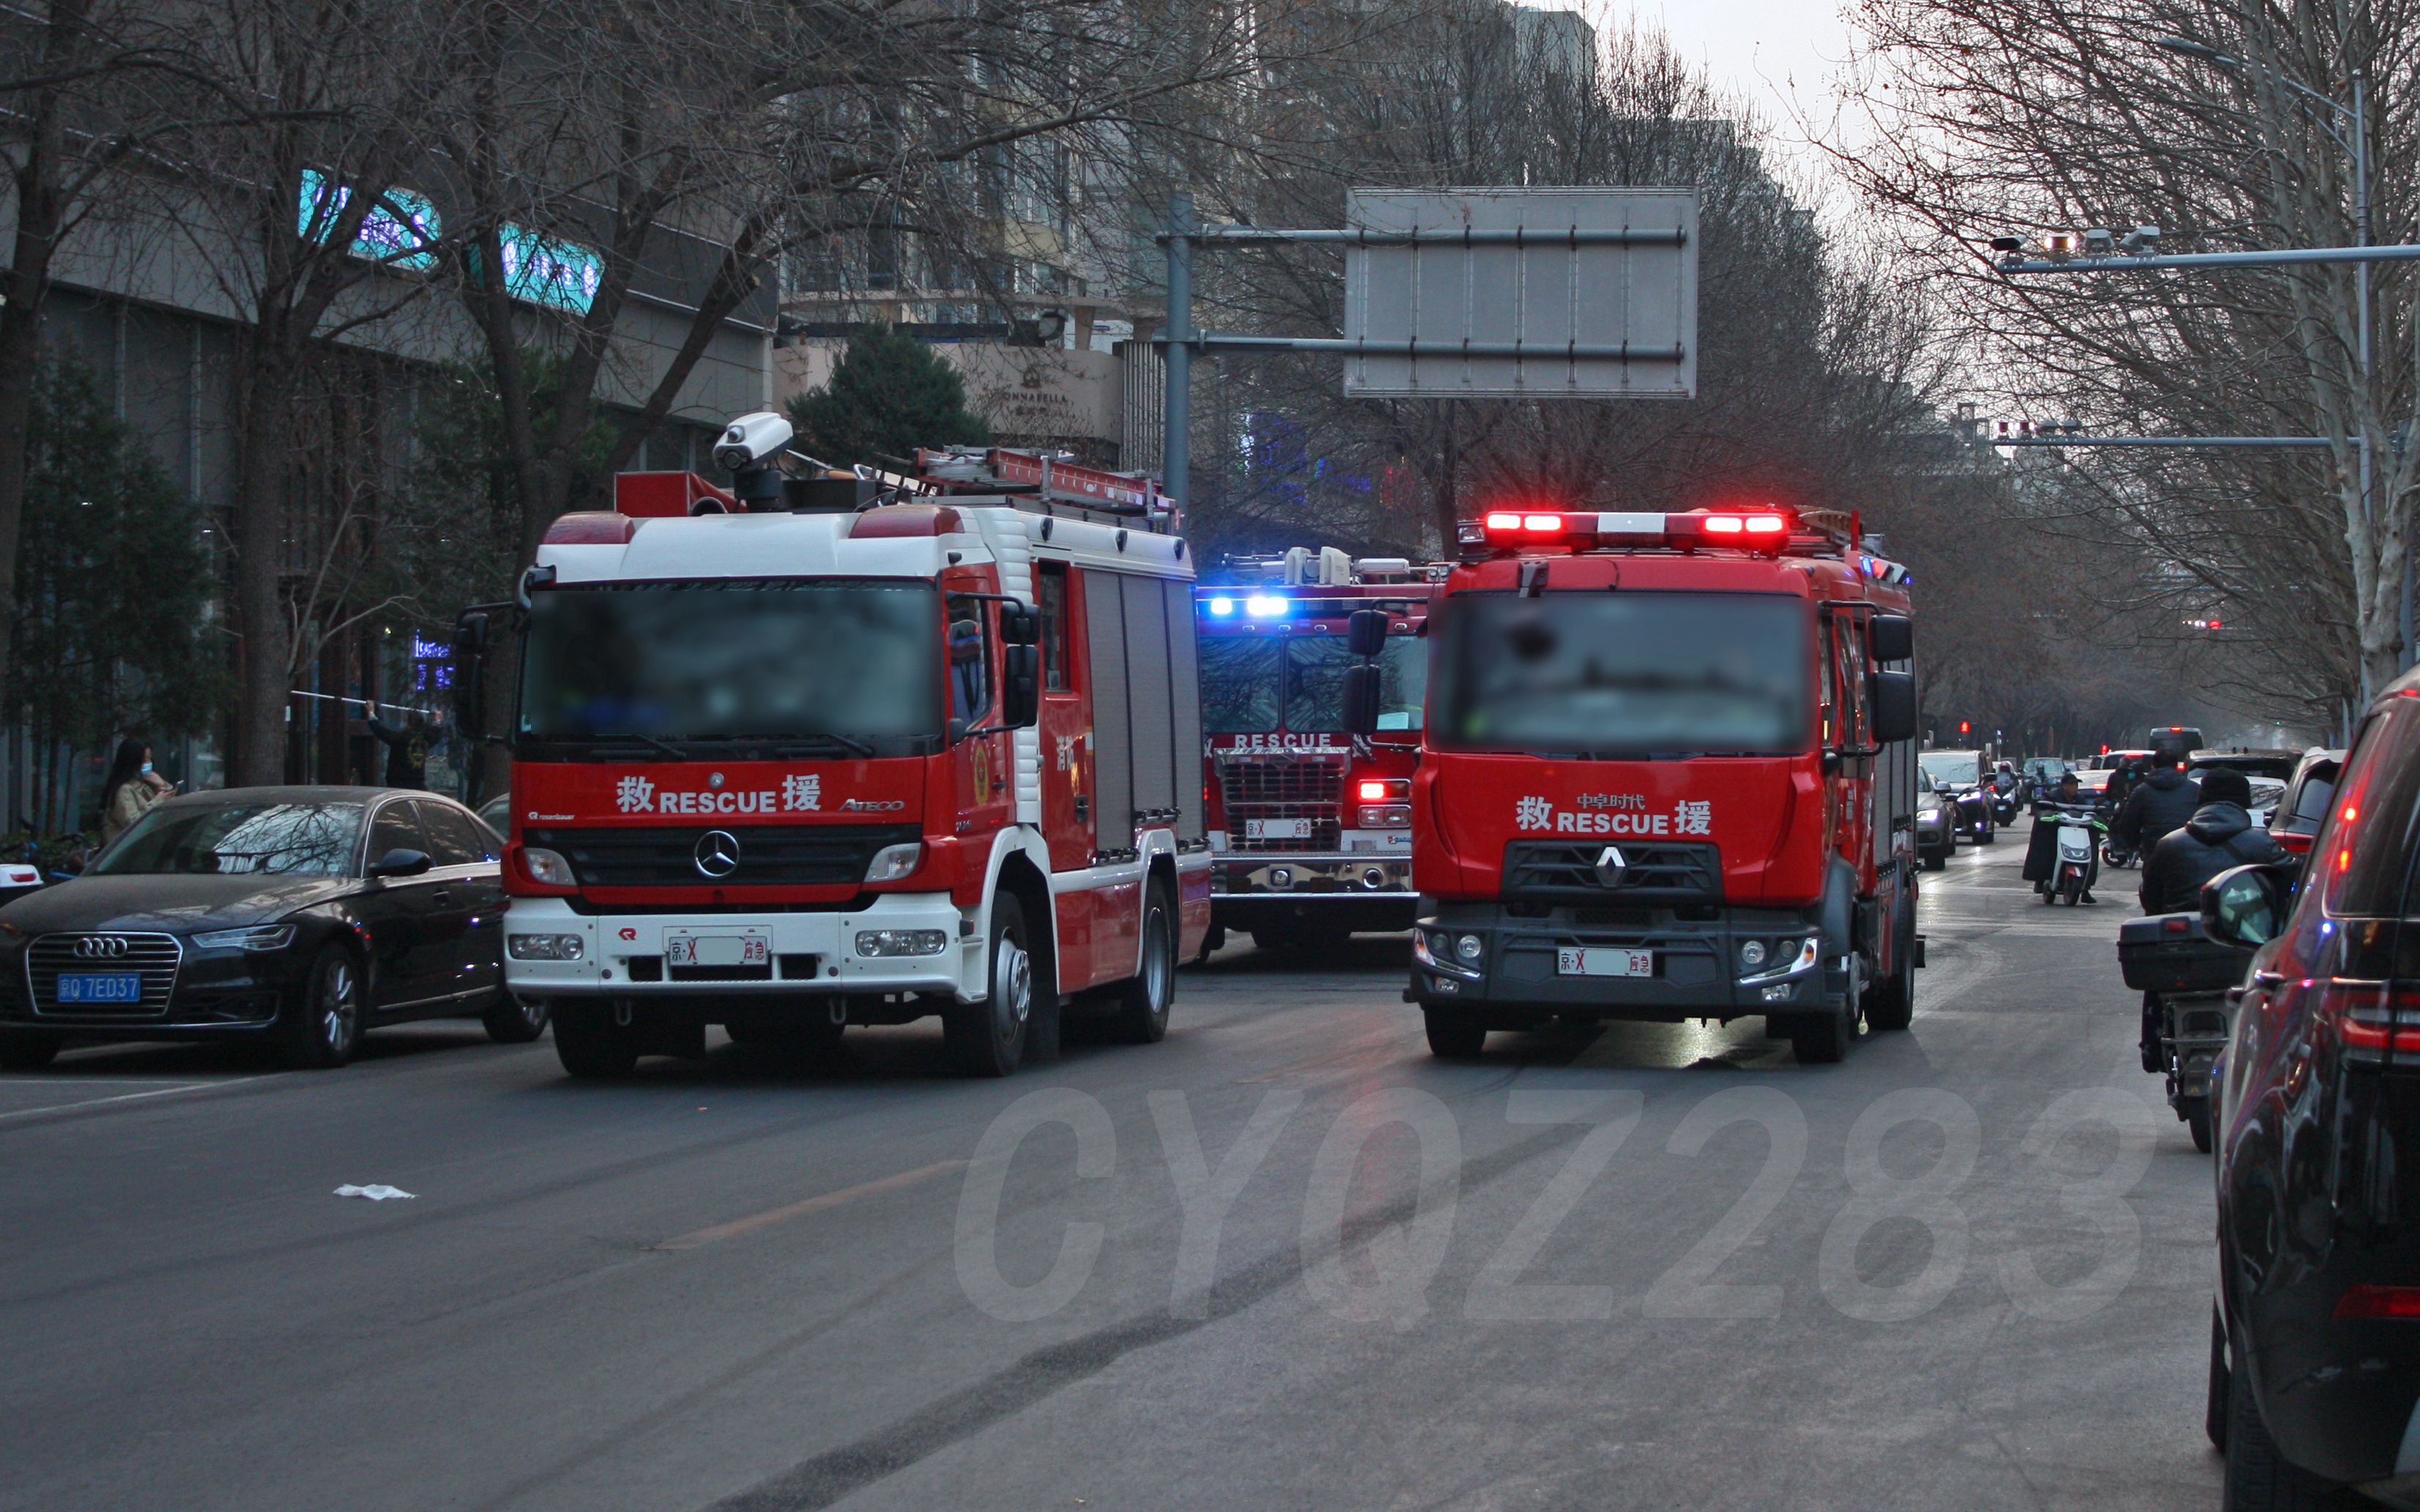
(1315, 701)
(2311, 800)
(2367, 846)
(1239, 685)
(396, 829)
(289, 839)
(453, 836)
(1050, 598)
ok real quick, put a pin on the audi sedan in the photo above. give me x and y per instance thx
(299, 916)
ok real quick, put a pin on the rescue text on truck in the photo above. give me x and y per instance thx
(830, 749)
(1668, 772)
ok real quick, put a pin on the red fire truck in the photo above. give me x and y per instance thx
(1313, 826)
(1668, 772)
(837, 750)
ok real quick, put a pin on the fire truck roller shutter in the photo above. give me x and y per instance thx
(1105, 629)
(1151, 719)
(1185, 688)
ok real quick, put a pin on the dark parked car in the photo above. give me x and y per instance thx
(302, 916)
(2295, 821)
(2315, 1354)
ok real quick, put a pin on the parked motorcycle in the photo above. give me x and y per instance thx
(2185, 975)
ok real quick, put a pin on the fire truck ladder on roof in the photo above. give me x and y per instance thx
(1048, 479)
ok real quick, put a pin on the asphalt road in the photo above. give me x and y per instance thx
(1282, 1259)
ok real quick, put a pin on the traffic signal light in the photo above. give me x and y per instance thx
(1966, 727)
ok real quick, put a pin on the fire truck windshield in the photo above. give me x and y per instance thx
(1254, 684)
(852, 663)
(1638, 674)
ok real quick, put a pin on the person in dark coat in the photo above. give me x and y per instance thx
(2164, 801)
(2218, 838)
(406, 747)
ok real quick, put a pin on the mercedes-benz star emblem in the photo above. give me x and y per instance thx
(100, 947)
(716, 854)
(1611, 866)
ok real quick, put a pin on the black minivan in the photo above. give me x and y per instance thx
(2314, 1350)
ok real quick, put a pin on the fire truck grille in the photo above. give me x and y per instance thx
(768, 855)
(1276, 794)
(1567, 871)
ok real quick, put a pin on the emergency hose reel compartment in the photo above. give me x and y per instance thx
(2170, 953)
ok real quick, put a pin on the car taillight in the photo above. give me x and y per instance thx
(2380, 1301)
(2293, 844)
(2373, 1023)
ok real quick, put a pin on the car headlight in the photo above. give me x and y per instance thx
(548, 867)
(892, 862)
(883, 942)
(545, 947)
(258, 938)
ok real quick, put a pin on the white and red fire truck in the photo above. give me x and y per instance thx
(1668, 772)
(831, 750)
(1313, 826)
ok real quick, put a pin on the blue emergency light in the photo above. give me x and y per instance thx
(1264, 606)
(1222, 607)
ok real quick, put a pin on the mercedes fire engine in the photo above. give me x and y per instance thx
(1312, 824)
(854, 749)
(1668, 773)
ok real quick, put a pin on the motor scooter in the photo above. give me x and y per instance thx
(2186, 975)
(2078, 834)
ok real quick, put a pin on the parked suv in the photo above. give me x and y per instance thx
(2315, 1354)
(2295, 821)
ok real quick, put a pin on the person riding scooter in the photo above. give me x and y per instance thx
(2219, 837)
(2163, 801)
(2041, 846)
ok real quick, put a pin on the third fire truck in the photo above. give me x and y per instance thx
(1313, 826)
(1668, 772)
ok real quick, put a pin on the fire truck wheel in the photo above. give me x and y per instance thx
(987, 1039)
(591, 1045)
(1454, 1036)
(1890, 1003)
(1822, 1039)
(509, 1019)
(1143, 1002)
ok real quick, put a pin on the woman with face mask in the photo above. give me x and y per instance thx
(131, 789)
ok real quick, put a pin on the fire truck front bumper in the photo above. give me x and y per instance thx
(1340, 891)
(1516, 972)
(902, 943)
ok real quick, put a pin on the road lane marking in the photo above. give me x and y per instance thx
(127, 1097)
(812, 1205)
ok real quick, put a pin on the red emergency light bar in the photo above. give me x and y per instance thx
(1764, 530)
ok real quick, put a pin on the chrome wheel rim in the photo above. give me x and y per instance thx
(339, 1015)
(1012, 986)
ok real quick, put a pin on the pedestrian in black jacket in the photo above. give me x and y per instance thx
(2163, 801)
(2218, 838)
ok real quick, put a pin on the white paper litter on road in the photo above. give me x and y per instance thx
(376, 1191)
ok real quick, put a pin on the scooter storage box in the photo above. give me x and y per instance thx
(2170, 954)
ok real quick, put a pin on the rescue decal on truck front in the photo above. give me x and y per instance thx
(797, 794)
(1613, 814)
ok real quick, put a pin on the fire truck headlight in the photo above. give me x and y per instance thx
(885, 942)
(1751, 953)
(548, 867)
(892, 862)
(1468, 947)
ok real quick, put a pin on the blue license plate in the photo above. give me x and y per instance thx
(101, 987)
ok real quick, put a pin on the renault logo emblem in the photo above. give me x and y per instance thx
(1611, 866)
(100, 947)
(716, 854)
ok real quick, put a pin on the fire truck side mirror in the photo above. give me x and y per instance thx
(1361, 699)
(1365, 632)
(1894, 706)
(470, 675)
(1019, 625)
(1020, 693)
(1892, 637)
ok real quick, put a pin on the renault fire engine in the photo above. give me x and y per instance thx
(1313, 826)
(1668, 773)
(831, 750)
